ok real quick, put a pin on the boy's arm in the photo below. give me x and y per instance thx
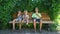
(39, 15)
(28, 16)
(32, 15)
(18, 15)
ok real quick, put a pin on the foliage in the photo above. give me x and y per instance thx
(8, 7)
(55, 10)
(5, 9)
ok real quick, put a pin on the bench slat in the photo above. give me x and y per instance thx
(37, 22)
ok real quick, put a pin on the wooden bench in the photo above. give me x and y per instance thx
(45, 19)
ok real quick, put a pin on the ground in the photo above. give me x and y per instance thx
(27, 31)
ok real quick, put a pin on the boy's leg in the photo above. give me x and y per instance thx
(27, 21)
(35, 24)
(40, 24)
(20, 24)
(14, 24)
(22, 20)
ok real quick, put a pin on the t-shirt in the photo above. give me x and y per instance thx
(25, 17)
(35, 16)
(19, 18)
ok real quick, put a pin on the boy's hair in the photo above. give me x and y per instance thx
(25, 10)
(19, 11)
(34, 9)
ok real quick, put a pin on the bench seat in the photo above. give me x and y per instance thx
(37, 22)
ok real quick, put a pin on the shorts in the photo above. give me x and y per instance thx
(26, 20)
(37, 20)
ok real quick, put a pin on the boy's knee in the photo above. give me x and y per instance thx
(34, 20)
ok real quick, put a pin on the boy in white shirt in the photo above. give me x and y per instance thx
(25, 17)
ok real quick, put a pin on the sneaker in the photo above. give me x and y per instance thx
(35, 31)
(40, 31)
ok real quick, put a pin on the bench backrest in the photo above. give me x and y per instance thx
(45, 16)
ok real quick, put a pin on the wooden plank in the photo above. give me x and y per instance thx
(37, 22)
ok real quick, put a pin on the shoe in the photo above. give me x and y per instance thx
(13, 30)
(34, 31)
(40, 31)
(20, 30)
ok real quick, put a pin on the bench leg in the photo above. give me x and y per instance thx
(49, 27)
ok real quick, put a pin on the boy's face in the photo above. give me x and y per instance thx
(36, 10)
(19, 12)
(25, 12)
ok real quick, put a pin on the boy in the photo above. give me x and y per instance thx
(25, 17)
(19, 19)
(37, 17)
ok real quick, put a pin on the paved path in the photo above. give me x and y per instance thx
(26, 31)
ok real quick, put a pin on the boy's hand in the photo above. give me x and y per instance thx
(27, 23)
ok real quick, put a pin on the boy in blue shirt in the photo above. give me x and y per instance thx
(18, 19)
